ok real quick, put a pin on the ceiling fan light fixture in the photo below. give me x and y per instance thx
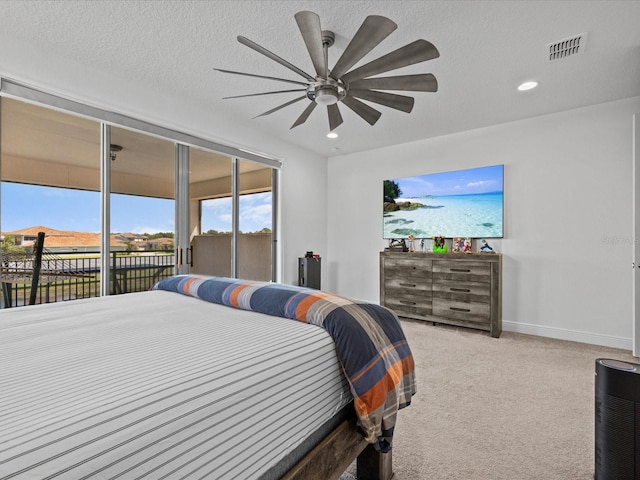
(332, 135)
(326, 95)
(113, 151)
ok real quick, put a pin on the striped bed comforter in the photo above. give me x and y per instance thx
(155, 385)
(369, 340)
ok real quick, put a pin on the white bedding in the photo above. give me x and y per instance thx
(158, 385)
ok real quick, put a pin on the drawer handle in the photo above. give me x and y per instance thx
(407, 267)
(407, 284)
(459, 309)
(406, 302)
(453, 289)
(467, 270)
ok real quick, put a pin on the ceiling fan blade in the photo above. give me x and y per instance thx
(391, 100)
(335, 118)
(262, 76)
(373, 30)
(303, 117)
(424, 82)
(263, 93)
(281, 106)
(254, 46)
(415, 52)
(309, 25)
(369, 114)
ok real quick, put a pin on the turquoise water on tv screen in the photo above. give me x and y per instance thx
(470, 215)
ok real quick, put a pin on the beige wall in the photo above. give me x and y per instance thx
(39, 172)
(212, 255)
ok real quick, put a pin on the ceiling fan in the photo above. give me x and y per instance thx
(330, 87)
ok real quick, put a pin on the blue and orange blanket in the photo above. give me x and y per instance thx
(369, 340)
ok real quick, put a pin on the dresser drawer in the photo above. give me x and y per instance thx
(474, 312)
(401, 284)
(408, 296)
(409, 305)
(463, 291)
(396, 268)
(463, 270)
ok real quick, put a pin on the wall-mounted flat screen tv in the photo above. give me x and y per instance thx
(461, 203)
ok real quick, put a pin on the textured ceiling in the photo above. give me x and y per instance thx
(486, 49)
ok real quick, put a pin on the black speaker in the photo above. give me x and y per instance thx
(309, 272)
(617, 429)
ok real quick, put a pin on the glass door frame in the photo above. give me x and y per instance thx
(635, 261)
(182, 230)
(105, 209)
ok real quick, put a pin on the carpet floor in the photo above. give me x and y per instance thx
(517, 407)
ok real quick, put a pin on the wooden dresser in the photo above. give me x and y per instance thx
(452, 288)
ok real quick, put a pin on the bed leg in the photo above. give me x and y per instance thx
(374, 465)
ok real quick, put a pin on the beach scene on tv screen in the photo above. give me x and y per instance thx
(461, 203)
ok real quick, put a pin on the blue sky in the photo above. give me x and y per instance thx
(65, 209)
(459, 182)
(255, 213)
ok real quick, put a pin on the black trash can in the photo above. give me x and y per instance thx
(617, 428)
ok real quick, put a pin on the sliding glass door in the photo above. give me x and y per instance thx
(211, 213)
(114, 201)
(142, 210)
(233, 233)
(50, 172)
(255, 228)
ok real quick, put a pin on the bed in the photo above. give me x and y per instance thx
(202, 377)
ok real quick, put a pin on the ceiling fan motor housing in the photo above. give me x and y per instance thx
(326, 92)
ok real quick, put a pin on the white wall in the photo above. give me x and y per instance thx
(303, 176)
(568, 209)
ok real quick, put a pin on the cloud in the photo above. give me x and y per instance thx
(150, 229)
(256, 217)
(217, 204)
(481, 183)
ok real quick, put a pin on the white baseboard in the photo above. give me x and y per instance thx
(571, 335)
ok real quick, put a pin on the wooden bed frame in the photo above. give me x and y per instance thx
(333, 455)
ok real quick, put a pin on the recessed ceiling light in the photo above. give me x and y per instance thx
(332, 135)
(527, 86)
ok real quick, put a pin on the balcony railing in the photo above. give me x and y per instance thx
(71, 276)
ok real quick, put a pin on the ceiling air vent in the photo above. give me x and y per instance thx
(567, 47)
